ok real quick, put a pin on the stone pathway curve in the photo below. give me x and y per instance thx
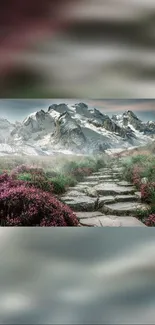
(102, 200)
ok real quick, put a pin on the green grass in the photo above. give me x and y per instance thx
(62, 182)
(142, 166)
(61, 171)
(145, 163)
(25, 177)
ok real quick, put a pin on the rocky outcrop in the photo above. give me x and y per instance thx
(68, 134)
(60, 108)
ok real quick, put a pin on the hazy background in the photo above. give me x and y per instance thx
(77, 276)
(77, 48)
(18, 109)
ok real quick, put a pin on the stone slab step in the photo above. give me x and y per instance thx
(90, 183)
(88, 215)
(113, 189)
(73, 193)
(109, 171)
(105, 170)
(109, 174)
(97, 173)
(111, 221)
(81, 203)
(112, 180)
(97, 178)
(124, 183)
(126, 198)
(118, 198)
(123, 208)
(138, 194)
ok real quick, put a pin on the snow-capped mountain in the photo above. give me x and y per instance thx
(5, 129)
(75, 129)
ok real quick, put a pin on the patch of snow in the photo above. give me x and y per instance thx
(71, 107)
(45, 140)
(114, 150)
(54, 114)
(66, 152)
(4, 147)
(32, 115)
(139, 134)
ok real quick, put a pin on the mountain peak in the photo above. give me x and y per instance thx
(60, 108)
(82, 105)
(130, 114)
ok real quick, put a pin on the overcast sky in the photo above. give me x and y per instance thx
(18, 109)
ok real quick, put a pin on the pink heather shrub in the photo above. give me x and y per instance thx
(146, 191)
(22, 205)
(4, 177)
(26, 169)
(150, 222)
(38, 177)
(136, 176)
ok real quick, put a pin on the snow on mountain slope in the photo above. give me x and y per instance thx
(73, 129)
(5, 129)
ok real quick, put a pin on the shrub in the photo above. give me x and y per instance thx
(4, 177)
(150, 221)
(100, 163)
(25, 169)
(134, 170)
(139, 159)
(21, 205)
(61, 182)
(136, 176)
(143, 214)
(50, 174)
(83, 168)
(148, 192)
(41, 182)
(25, 177)
(80, 172)
(35, 176)
(149, 172)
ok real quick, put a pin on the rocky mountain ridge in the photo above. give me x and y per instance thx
(78, 129)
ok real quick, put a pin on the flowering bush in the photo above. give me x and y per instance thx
(138, 168)
(147, 192)
(35, 176)
(150, 221)
(21, 205)
(4, 177)
(136, 175)
(21, 169)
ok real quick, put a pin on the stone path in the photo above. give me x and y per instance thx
(102, 200)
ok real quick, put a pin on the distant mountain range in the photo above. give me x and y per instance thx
(73, 129)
